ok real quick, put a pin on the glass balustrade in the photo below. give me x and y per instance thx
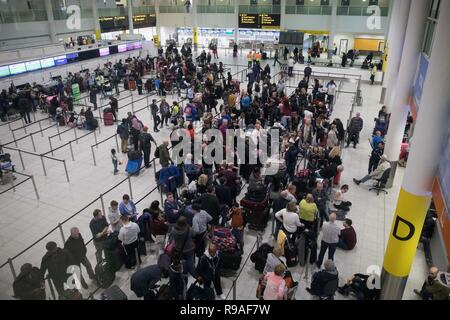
(23, 16)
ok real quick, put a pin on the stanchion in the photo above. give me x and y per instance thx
(131, 190)
(71, 150)
(57, 129)
(43, 165)
(52, 290)
(9, 123)
(34, 117)
(234, 289)
(62, 232)
(40, 129)
(103, 203)
(12, 184)
(11, 266)
(76, 136)
(65, 169)
(14, 137)
(24, 126)
(32, 142)
(95, 137)
(93, 156)
(148, 105)
(34, 186)
(50, 143)
(117, 143)
(21, 159)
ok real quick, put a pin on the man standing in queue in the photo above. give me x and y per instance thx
(146, 147)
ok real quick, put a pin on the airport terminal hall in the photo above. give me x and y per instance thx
(223, 151)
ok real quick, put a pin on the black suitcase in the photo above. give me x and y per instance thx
(290, 254)
(134, 155)
(115, 257)
(231, 261)
(259, 257)
(114, 293)
(257, 220)
(105, 274)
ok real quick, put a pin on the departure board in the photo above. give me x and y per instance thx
(259, 21)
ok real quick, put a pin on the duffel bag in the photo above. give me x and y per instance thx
(224, 240)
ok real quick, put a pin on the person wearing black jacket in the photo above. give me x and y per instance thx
(77, 249)
(210, 203)
(307, 72)
(321, 278)
(208, 269)
(140, 85)
(146, 147)
(55, 261)
(25, 107)
(144, 281)
(223, 192)
(375, 157)
(29, 284)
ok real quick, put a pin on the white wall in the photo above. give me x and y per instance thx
(354, 24)
(349, 37)
(307, 22)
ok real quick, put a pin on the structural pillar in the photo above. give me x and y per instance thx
(412, 48)
(158, 22)
(236, 21)
(51, 21)
(283, 15)
(195, 28)
(97, 28)
(395, 41)
(332, 33)
(430, 133)
(130, 16)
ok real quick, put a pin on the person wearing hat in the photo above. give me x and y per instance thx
(183, 236)
(377, 173)
(291, 158)
(146, 147)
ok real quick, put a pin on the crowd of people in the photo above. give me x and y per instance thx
(201, 229)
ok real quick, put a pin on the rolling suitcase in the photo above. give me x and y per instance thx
(300, 244)
(231, 260)
(132, 85)
(256, 213)
(108, 119)
(290, 254)
(105, 274)
(114, 293)
(133, 166)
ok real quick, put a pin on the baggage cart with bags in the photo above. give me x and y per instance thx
(256, 213)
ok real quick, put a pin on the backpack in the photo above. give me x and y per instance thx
(224, 240)
(259, 257)
(156, 153)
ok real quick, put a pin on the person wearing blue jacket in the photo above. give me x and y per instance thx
(127, 207)
(171, 210)
(245, 102)
(168, 179)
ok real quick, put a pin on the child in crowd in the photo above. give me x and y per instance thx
(115, 161)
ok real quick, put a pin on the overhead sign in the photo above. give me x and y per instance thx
(259, 21)
(144, 21)
(108, 24)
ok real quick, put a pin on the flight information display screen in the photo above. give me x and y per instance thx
(4, 71)
(17, 68)
(33, 65)
(47, 63)
(104, 52)
(60, 60)
(259, 21)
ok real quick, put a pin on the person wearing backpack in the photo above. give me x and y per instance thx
(146, 147)
(162, 152)
(183, 236)
(208, 268)
(124, 134)
(164, 109)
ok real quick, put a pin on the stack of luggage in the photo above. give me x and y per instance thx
(230, 253)
(256, 208)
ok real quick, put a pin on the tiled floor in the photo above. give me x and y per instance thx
(24, 220)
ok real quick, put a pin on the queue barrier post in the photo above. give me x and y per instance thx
(59, 133)
(103, 203)
(40, 129)
(11, 266)
(14, 137)
(93, 156)
(75, 133)
(32, 142)
(43, 165)
(21, 159)
(95, 137)
(50, 143)
(131, 190)
(65, 169)
(117, 142)
(71, 150)
(35, 189)
(234, 288)
(62, 232)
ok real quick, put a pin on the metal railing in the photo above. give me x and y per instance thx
(260, 9)
(23, 16)
(15, 185)
(360, 11)
(309, 10)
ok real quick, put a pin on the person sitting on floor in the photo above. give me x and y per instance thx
(339, 201)
(432, 289)
(321, 278)
(347, 238)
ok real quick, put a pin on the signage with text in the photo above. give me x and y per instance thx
(259, 21)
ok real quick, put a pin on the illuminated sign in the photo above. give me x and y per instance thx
(61, 60)
(47, 63)
(33, 65)
(4, 71)
(104, 52)
(259, 21)
(17, 68)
